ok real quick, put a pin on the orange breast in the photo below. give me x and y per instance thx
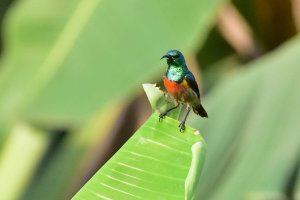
(173, 87)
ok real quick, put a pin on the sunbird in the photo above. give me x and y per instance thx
(182, 85)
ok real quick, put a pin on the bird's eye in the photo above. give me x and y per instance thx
(175, 56)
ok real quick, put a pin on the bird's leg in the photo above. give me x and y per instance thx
(182, 124)
(162, 115)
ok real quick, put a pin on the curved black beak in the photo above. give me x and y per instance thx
(165, 56)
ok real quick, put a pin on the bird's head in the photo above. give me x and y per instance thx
(174, 57)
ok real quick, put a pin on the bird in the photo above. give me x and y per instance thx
(181, 84)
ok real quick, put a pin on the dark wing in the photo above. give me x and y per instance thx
(190, 79)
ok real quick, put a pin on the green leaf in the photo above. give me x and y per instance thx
(67, 59)
(154, 163)
(155, 96)
(159, 101)
(253, 128)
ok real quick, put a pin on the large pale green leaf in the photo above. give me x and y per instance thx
(158, 162)
(253, 129)
(65, 59)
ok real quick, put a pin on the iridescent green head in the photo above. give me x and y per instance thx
(174, 57)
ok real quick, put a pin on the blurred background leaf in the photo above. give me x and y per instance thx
(255, 145)
(17, 170)
(90, 55)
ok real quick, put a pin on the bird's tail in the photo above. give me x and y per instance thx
(199, 110)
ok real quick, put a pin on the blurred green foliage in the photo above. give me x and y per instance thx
(91, 51)
(254, 130)
(71, 74)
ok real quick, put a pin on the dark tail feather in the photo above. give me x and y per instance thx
(199, 110)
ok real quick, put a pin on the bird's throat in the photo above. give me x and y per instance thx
(175, 73)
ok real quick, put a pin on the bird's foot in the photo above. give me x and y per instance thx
(182, 127)
(162, 116)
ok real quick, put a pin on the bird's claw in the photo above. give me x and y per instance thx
(182, 127)
(161, 116)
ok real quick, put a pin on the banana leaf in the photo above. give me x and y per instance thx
(157, 162)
